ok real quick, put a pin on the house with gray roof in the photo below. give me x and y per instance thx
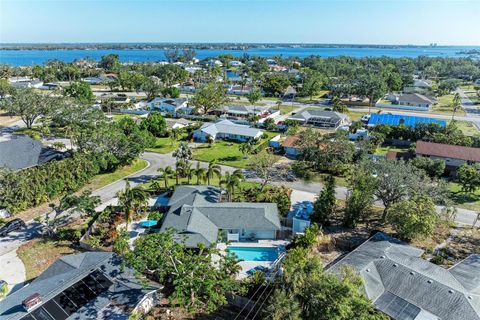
(198, 216)
(90, 285)
(171, 106)
(406, 287)
(320, 118)
(242, 111)
(21, 152)
(226, 129)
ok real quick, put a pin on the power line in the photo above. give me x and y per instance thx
(260, 308)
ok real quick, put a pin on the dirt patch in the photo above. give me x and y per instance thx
(6, 120)
(462, 244)
(38, 254)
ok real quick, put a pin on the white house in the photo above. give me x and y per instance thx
(167, 106)
(228, 130)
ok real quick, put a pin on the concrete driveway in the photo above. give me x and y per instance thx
(12, 270)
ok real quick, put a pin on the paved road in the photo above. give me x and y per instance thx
(472, 111)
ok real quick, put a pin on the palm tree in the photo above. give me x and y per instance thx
(201, 173)
(213, 170)
(131, 199)
(456, 104)
(165, 174)
(189, 172)
(231, 181)
(245, 148)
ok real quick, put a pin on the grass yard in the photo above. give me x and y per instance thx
(462, 200)
(102, 180)
(38, 254)
(467, 128)
(119, 116)
(383, 150)
(225, 152)
(284, 109)
(164, 145)
(355, 116)
(444, 106)
(474, 97)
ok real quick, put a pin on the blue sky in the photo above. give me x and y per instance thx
(448, 22)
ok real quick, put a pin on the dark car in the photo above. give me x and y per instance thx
(15, 224)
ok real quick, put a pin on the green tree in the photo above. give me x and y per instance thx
(338, 105)
(283, 306)
(200, 173)
(194, 284)
(151, 88)
(275, 84)
(246, 148)
(262, 164)
(213, 170)
(165, 174)
(183, 153)
(231, 181)
(433, 167)
(325, 204)
(110, 62)
(413, 218)
(254, 95)
(313, 82)
(131, 200)
(81, 91)
(29, 105)
(360, 196)
(209, 97)
(171, 92)
(456, 104)
(155, 124)
(309, 239)
(469, 178)
(5, 88)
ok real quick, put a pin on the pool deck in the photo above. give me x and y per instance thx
(247, 265)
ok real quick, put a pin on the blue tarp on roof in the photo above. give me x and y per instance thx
(396, 119)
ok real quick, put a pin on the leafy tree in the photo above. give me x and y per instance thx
(456, 104)
(131, 200)
(283, 306)
(270, 124)
(194, 284)
(29, 105)
(413, 218)
(171, 92)
(120, 245)
(262, 164)
(155, 124)
(338, 105)
(110, 62)
(372, 85)
(469, 178)
(433, 167)
(209, 97)
(254, 95)
(246, 148)
(309, 239)
(5, 88)
(171, 74)
(81, 91)
(183, 153)
(312, 84)
(151, 88)
(448, 85)
(275, 84)
(324, 206)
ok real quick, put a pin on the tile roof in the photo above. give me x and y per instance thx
(405, 286)
(196, 214)
(448, 151)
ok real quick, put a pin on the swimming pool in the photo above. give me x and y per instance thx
(254, 253)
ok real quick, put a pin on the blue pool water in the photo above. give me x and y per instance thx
(254, 253)
(149, 223)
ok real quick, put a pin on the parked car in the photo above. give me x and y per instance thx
(15, 224)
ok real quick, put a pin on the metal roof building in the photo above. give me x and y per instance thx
(397, 119)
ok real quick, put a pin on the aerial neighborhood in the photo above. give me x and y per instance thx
(240, 187)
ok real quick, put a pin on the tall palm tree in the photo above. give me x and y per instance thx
(245, 148)
(200, 173)
(456, 104)
(131, 199)
(189, 172)
(231, 181)
(213, 170)
(165, 174)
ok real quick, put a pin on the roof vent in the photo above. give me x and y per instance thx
(412, 273)
(451, 291)
(395, 264)
(470, 297)
(383, 257)
(368, 270)
(429, 281)
(32, 301)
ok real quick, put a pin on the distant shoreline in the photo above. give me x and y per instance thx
(195, 46)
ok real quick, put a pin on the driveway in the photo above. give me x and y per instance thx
(12, 270)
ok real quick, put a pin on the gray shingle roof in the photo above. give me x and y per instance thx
(328, 115)
(405, 286)
(195, 212)
(414, 98)
(66, 271)
(21, 152)
(228, 127)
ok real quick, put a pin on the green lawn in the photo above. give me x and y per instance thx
(355, 116)
(383, 150)
(119, 116)
(467, 128)
(102, 180)
(284, 109)
(473, 97)
(163, 145)
(462, 200)
(444, 106)
(225, 152)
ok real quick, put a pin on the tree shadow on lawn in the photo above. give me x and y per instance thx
(461, 197)
(230, 158)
